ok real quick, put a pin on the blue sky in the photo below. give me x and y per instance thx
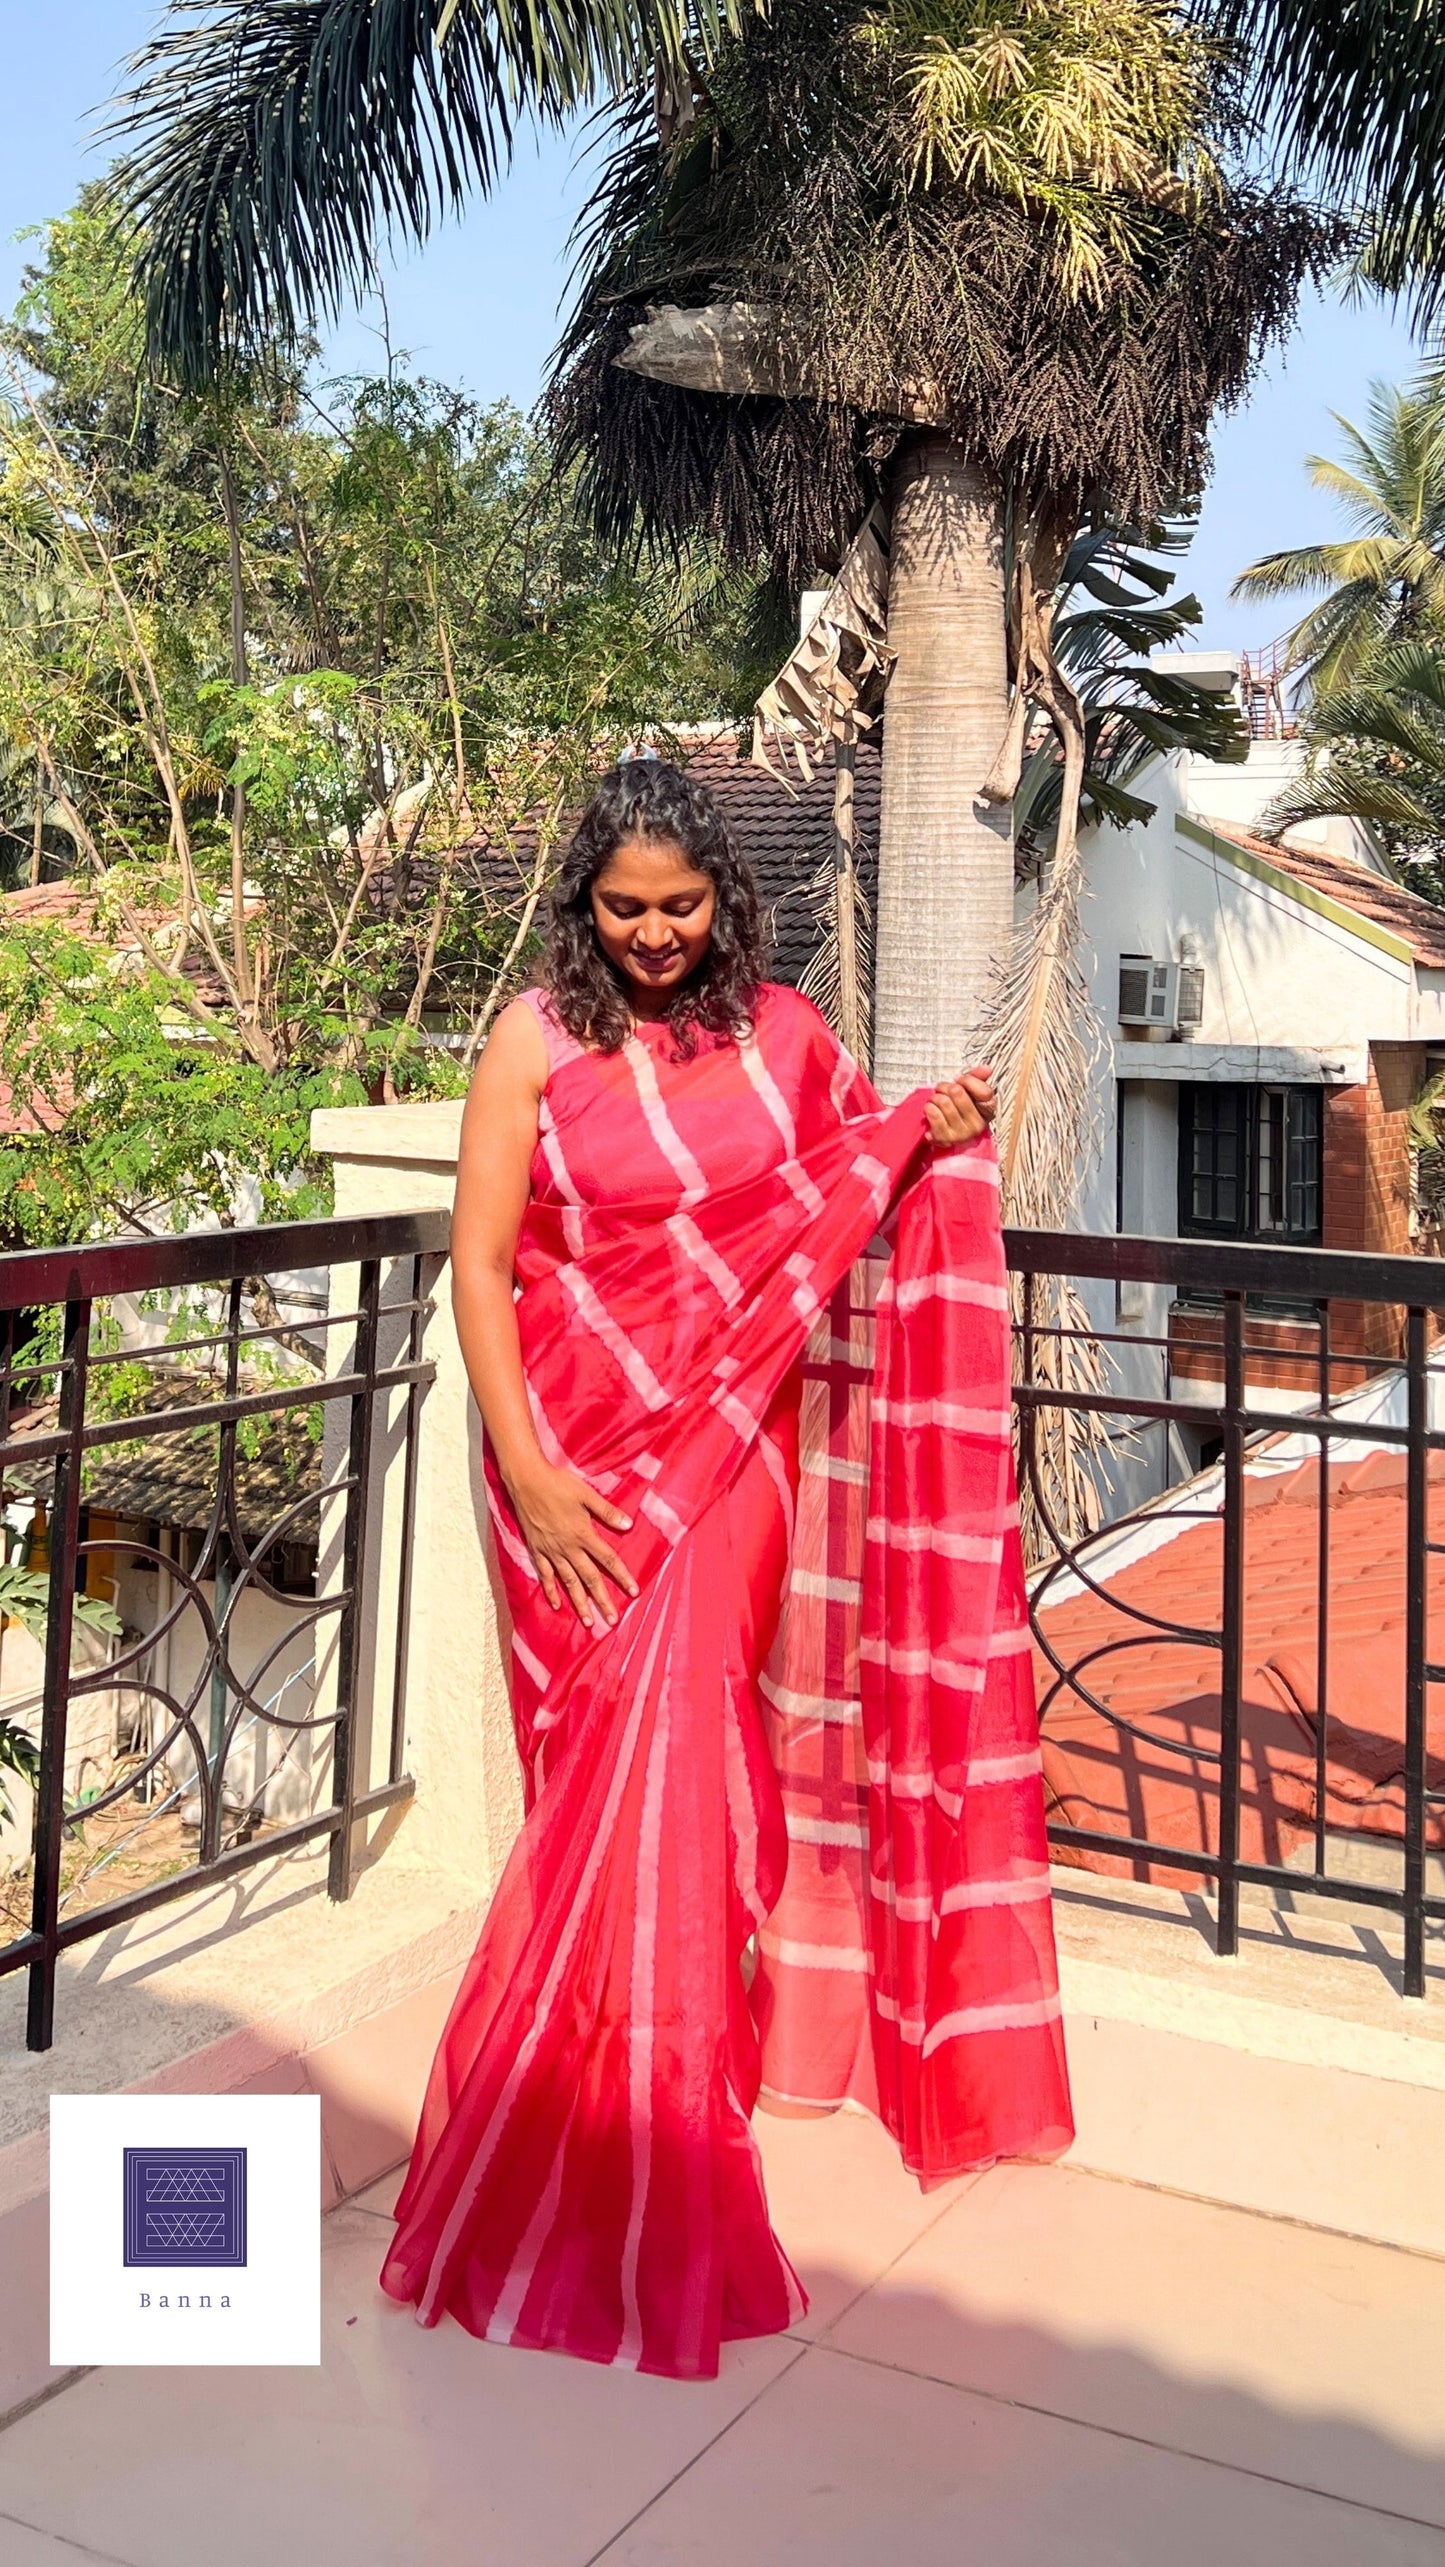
(478, 304)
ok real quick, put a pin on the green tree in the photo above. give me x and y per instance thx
(1376, 755)
(317, 682)
(1385, 579)
(987, 264)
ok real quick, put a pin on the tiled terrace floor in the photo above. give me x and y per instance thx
(1038, 2366)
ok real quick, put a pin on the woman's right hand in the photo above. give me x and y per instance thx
(559, 1516)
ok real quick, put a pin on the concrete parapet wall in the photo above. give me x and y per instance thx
(459, 1741)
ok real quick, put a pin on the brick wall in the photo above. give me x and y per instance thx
(1279, 1354)
(1367, 1184)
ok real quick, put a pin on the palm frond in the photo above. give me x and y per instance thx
(1350, 787)
(1134, 711)
(838, 980)
(1355, 98)
(1299, 566)
(1377, 755)
(271, 146)
(1378, 581)
(1044, 1043)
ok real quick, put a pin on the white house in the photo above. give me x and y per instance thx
(1268, 1014)
(1298, 1001)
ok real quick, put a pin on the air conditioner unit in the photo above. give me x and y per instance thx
(1148, 991)
(1189, 999)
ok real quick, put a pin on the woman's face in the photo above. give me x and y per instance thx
(653, 914)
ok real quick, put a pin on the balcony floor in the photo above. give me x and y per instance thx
(1037, 2364)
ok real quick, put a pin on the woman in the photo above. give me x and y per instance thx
(750, 1476)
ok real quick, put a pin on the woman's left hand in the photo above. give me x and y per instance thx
(960, 1108)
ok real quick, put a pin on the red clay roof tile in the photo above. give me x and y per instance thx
(1100, 1777)
(1417, 922)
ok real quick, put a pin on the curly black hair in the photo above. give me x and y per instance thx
(650, 798)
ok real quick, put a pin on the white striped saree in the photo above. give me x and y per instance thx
(770, 1322)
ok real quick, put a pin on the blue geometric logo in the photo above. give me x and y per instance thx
(185, 2206)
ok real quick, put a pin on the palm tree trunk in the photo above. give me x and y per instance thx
(945, 859)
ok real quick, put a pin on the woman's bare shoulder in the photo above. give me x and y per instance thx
(516, 1049)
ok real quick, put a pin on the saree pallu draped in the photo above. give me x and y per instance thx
(766, 1321)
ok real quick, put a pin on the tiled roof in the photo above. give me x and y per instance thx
(1162, 1785)
(171, 1478)
(71, 903)
(1418, 923)
(786, 833)
(38, 1114)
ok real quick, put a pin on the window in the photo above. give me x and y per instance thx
(1250, 1163)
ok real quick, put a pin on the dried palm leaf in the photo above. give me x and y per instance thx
(831, 686)
(1045, 1047)
(839, 977)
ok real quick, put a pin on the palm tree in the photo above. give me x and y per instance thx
(975, 261)
(1377, 755)
(1112, 611)
(272, 139)
(1387, 576)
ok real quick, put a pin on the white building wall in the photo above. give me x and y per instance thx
(1276, 971)
(1290, 993)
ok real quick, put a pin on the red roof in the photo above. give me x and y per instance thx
(1162, 1786)
(1418, 923)
(45, 1116)
(74, 904)
(67, 904)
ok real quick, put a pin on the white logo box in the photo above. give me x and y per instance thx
(265, 2310)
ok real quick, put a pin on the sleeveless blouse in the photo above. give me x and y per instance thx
(812, 1728)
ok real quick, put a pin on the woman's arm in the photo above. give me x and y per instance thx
(559, 1514)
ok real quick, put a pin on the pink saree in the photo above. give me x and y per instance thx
(771, 1325)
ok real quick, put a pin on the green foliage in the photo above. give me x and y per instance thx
(1372, 652)
(1112, 609)
(1080, 111)
(1376, 745)
(25, 1597)
(301, 686)
(1425, 1127)
(1388, 576)
(139, 1116)
(18, 1755)
(1426, 1107)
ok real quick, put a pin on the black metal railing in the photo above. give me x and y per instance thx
(1291, 1407)
(219, 1465)
(230, 1486)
